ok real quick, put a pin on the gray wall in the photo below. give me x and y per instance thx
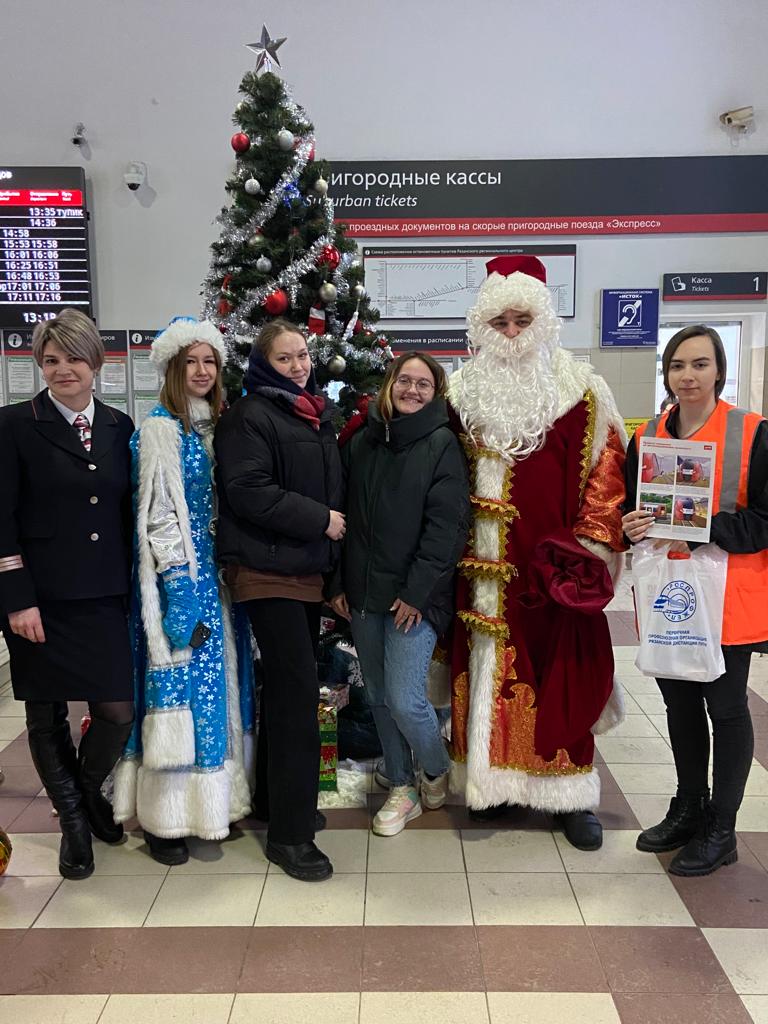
(428, 79)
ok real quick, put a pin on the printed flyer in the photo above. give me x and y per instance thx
(675, 481)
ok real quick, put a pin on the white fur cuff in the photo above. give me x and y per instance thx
(168, 739)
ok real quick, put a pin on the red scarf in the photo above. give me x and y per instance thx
(309, 407)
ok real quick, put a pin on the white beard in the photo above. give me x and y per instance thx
(507, 395)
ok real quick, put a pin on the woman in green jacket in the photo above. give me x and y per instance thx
(407, 523)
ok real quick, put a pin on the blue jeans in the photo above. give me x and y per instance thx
(395, 666)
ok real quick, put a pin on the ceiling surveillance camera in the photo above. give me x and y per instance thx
(135, 175)
(741, 117)
(78, 134)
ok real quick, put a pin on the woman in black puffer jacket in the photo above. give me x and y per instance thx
(280, 496)
(408, 518)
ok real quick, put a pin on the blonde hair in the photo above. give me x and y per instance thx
(173, 394)
(74, 333)
(384, 401)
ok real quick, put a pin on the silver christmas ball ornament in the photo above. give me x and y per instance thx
(263, 265)
(357, 291)
(256, 241)
(337, 365)
(321, 187)
(327, 292)
(285, 139)
(252, 187)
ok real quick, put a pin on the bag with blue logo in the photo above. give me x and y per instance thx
(679, 608)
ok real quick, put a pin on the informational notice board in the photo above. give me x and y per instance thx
(441, 283)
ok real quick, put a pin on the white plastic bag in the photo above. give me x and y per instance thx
(679, 605)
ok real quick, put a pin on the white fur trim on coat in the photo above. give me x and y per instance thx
(188, 803)
(160, 448)
(168, 738)
(180, 335)
(556, 794)
(514, 291)
(124, 789)
(240, 770)
(573, 381)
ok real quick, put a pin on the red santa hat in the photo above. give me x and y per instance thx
(514, 282)
(506, 265)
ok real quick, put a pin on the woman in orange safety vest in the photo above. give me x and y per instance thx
(694, 367)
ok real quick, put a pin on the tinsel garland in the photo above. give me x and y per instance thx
(323, 346)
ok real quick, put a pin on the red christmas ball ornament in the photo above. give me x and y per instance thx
(311, 155)
(358, 327)
(276, 302)
(240, 142)
(329, 257)
(224, 307)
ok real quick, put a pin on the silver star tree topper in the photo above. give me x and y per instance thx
(266, 50)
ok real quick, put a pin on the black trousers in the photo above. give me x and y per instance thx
(288, 749)
(725, 700)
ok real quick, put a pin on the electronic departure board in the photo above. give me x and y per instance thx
(44, 258)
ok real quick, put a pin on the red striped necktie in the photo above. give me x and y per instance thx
(83, 428)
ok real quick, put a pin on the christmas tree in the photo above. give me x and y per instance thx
(280, 253)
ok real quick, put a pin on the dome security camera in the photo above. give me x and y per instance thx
(135, 175)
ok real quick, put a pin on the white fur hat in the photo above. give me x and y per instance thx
(516, 291)
(182, 332)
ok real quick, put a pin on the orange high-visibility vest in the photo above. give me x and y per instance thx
(745, 613)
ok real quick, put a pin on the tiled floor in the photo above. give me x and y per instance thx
(449, 922)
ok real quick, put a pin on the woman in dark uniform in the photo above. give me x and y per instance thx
(64, 577)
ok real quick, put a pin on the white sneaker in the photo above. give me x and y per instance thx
(402, 806)
(434, 791)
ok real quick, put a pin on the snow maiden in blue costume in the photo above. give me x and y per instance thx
(185, 769)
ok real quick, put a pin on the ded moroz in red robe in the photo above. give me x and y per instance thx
(531, 658)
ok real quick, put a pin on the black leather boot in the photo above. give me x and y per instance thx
(682, 821)
(582, 829)
(50, 744)
(488, 813)
(303, 861)
(99, 750)
(712, 847)
(167, 851)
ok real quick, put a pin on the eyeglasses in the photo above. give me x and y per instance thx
(423, 386)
